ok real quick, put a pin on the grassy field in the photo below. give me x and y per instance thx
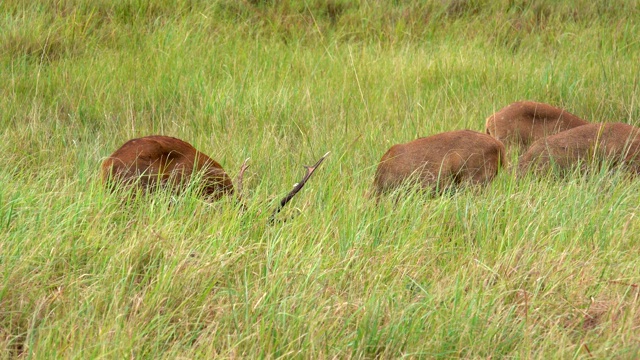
(524, 268)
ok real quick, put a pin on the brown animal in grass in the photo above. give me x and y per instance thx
(153, 161)
(615, 143)
(156, 160)
(524, 122)
(439, 161)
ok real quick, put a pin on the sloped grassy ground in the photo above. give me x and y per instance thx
(525, 268)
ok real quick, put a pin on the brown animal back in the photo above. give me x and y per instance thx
(168, 160)
(524, 122)
(443, 159)
(613, 142)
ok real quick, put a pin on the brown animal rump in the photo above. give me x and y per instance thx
(524, 122)
(617, 143)
(162, 160)
(441, 160)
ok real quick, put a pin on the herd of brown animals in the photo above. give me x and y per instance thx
(548, 136)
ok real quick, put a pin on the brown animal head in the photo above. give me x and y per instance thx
(153, 161)
(524, 122)
(440, 161)
(615, 143)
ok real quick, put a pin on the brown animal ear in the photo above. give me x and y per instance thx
(297, 187)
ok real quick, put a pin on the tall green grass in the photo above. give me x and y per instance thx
(526, 268)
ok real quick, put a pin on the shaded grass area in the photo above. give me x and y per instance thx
(523, 268)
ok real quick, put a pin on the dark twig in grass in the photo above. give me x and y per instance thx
(297, 187)
(635, 286)
(243, 168)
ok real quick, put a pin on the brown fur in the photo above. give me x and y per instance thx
(615, 142)
(524, 122)
(161, 160)
(441, 160)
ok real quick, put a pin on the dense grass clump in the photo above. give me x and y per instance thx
(525, 267)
